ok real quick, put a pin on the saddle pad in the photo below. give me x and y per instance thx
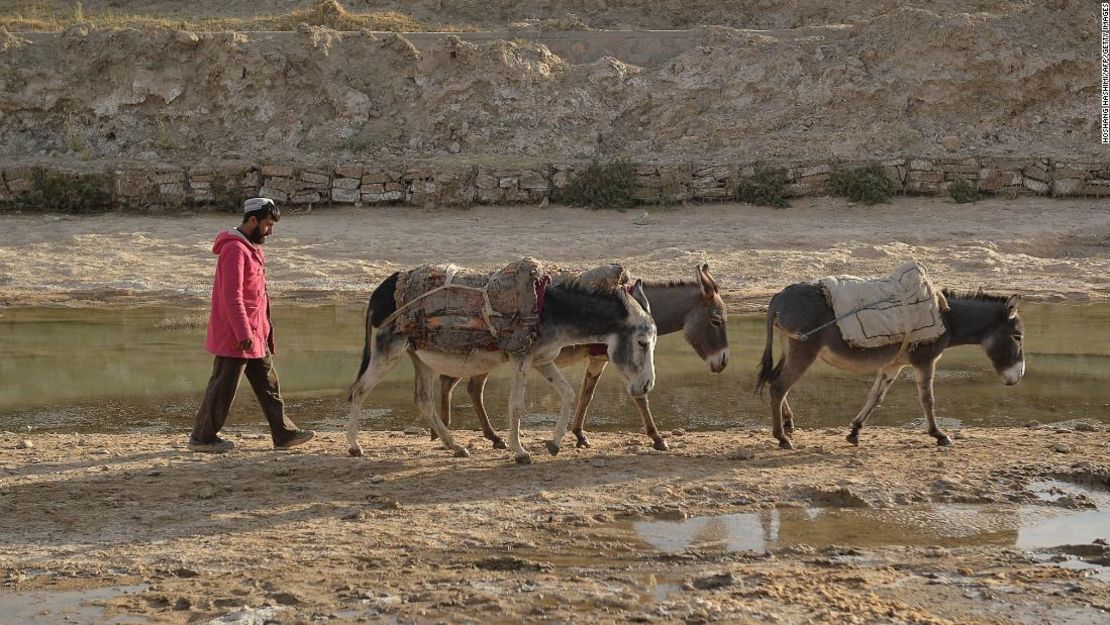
(872, 313)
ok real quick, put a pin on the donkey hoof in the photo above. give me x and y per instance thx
(786, 444)
(524, 459)
(355, 452)
(499, 444)
(853, 438)
(944, 441)
(552, 448)
(434, 435)
(583, 442)
(461, 452)
(660, 445)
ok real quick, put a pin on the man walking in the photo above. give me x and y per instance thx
(240, 335)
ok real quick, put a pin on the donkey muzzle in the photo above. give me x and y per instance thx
(717, 362)
(1013, 374)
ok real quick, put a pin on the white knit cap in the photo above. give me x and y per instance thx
(256, 203)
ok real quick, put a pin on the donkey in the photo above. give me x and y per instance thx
(990, 321)
(695, 307)
(571, 315)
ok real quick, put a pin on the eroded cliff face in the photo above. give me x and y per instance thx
(1021, 80)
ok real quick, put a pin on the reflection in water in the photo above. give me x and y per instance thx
(76, 607)
(145, 369)
(1027, 527)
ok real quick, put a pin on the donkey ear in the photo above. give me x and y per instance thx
(640, 297)
(1011, 306)
(706, 281)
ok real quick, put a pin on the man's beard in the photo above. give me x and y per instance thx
(256, 236)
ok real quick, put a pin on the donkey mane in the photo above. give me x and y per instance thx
(975, 295)
(670, 284)
(593, 309)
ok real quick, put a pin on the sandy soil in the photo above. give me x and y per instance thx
(1056, 250)
(409, 534)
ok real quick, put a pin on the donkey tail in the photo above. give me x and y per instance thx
(382, 304)
(767, 373)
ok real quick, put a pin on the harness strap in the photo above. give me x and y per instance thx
(805, 335)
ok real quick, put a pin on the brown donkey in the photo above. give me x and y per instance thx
(695, 307)
(987, 320)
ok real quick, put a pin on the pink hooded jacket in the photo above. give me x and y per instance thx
(240, 305)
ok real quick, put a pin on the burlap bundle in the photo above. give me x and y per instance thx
(874, 313)
(476, 312)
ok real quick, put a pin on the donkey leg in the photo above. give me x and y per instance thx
(566, 399)
(787, 417)
(924, 375)
(425, 381)
(649, 424)
(594, 368)
(387, 352)
(883, 381)
(446, 387)
(476, 389)
(516, 408)
(797, 357)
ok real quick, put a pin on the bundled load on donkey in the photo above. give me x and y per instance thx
(454, 311)
(878, 312)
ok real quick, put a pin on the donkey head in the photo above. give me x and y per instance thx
(705, 325)
(632, 348)
(1004, 341)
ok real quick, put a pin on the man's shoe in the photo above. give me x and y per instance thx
(217, 446)
(300, 438)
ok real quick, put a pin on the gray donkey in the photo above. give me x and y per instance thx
(693, 306)
(990, 321)
(570, 316)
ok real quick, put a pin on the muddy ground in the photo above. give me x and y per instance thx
(410, 534)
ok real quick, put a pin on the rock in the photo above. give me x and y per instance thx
(377, 479)
(285, 598)
(416, 431)
(678, 432)
(1062, 448)
(25, 444)
(249, 616)
(744, 453)
(1083, 426)
(951, 143)
(720, 580)
(1032, 423)
(184, 572)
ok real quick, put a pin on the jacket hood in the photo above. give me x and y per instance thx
(233, 237)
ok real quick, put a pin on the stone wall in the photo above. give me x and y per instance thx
(367, 184)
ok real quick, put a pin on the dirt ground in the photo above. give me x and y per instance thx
(410, 534)
(1049, 250)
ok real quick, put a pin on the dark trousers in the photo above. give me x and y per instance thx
(221, 392)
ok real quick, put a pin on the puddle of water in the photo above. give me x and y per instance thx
(136, 369)
(44, 606)
(1033, 527)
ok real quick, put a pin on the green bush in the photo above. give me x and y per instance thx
(602, 185)
(865, 185)
(66, 193)
(227, 196)
(963, 192)
(767, 187)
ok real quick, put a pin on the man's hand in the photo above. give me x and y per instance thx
(245, 345)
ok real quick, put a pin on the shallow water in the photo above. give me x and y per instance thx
(1029, 527)
(144, 369)
(77, 607)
